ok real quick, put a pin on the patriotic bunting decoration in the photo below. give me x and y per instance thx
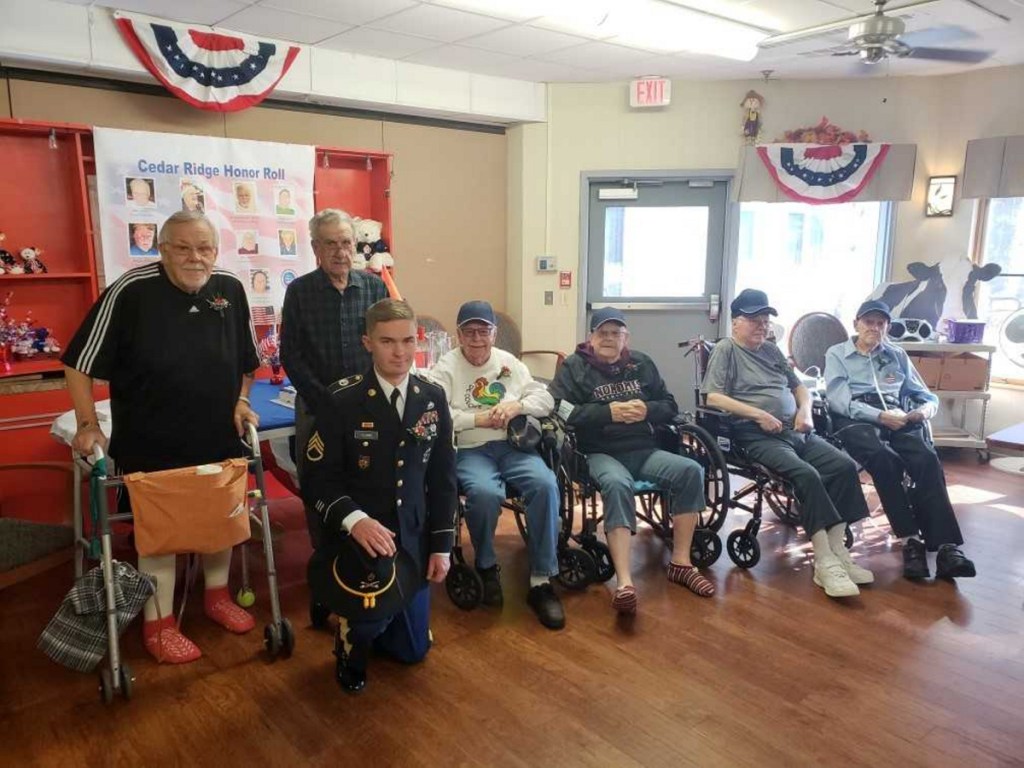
(209, 70)
(822, 173)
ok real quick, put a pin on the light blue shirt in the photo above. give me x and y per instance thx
(886, 370)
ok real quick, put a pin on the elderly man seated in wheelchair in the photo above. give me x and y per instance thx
(880, 409)
(750, 378)
(487, 388)
(613, 398)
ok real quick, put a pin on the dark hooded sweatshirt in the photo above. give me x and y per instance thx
(585, 386)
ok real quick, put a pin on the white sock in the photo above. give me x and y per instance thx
(536, 581)
(163, 568)
(837, 538)
(822, 549)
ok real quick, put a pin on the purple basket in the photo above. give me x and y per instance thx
(966, 331)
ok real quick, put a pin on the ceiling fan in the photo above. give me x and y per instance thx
(876, 36)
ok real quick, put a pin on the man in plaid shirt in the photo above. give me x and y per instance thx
(322, 323)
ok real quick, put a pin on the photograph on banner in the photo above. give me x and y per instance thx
(258, 196)
(140, 192)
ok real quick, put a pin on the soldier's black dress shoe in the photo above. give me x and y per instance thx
(915, 561)
(951, 563)
(349, 669)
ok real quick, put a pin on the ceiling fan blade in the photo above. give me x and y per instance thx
(949, 54)
(800, 34)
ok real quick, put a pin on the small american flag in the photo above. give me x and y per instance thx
(269, 348)
(263, 315)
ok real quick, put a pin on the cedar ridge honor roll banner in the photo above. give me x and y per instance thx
(259, 196)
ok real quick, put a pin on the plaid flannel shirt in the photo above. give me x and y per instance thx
(322, 330)
(77, 634)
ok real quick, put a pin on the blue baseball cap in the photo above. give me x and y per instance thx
(751, 301)
(481, 311)
(606, 315)
(874, 306)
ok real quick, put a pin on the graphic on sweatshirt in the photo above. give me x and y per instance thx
(487, 393)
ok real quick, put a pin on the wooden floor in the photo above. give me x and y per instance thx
(770, 672)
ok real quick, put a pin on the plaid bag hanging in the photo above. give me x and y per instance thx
(76, 636)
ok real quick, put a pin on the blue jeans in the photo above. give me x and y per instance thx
(683, 478)
(483, 472)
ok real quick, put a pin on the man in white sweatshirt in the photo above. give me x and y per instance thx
(486, 388)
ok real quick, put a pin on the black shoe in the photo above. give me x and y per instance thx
(546, 605)
(915, 561)
(950, 563)
(349, 672)
(491, 577)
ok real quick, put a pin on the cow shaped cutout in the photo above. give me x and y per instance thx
(943, 290)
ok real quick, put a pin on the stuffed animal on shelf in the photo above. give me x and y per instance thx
(371, 246)
(8, 263)
(33, 264)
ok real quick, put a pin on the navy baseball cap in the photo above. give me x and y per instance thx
(606, 315)
(481, 311)
(751, 301)
(874, 306)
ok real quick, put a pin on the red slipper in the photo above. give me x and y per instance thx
(165, 643)
(689, 577)
(218, 606)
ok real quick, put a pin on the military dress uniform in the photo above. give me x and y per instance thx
(399, 471)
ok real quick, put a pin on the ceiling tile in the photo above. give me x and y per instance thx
(207, 12)
(347, 11)
(547, 72)
(461, 57)
(256, 20)
(377, 42)
(521, 40)
(512, 10)
(438, 23)
(596, 55)
(787, 15)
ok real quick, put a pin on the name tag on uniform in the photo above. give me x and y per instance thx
(366, 434)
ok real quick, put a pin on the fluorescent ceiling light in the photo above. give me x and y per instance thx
(669, 28)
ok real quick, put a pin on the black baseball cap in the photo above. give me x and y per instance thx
(751, 301)
(874, 306)
(606, 315)
(481, 311)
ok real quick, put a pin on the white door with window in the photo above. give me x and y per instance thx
(658, 258)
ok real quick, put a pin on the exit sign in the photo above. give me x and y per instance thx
(650, 92)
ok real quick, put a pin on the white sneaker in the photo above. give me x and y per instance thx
(857, 574)
(830, 575)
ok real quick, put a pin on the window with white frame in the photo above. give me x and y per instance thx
(1001, 300)
(813, 258)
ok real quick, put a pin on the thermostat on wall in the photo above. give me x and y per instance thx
(546, 264)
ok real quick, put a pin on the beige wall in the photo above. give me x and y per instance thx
(448, 192)
(591, 128)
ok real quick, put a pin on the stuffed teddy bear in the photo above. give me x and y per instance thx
(371, 246)
(8, 263)
(33, 264)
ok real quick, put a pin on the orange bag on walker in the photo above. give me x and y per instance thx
(193, 509)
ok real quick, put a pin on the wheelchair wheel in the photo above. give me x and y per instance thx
(602, 558)
(782, 502)
(464, 586)
(697, 443)
(706, 548)
(743, 549)
(576, 568)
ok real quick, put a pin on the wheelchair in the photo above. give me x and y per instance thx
(578, 567)
(763, 487)
(686, 439)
